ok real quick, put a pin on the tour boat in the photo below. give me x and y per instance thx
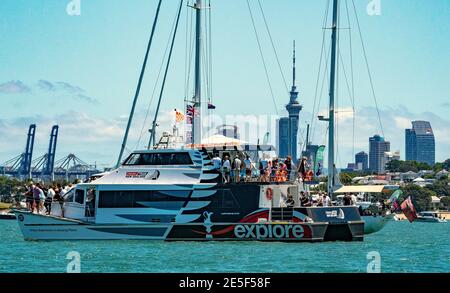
(176, 194)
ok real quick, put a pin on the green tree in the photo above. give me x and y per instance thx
(406, 166)
(440, 187)
(345, 178)
(445, 200)
(421, 197)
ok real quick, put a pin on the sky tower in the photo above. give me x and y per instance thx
(293, 109)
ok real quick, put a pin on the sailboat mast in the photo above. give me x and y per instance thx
(138, 88)
(197, 121)
(331, 164)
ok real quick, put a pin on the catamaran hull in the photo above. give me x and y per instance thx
(41, 227)
(374, 224)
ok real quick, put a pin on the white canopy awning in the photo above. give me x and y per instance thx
(219, 139)
(360, 188)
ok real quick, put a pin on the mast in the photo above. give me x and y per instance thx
(138, 88)
(197, 121)
(331, 106)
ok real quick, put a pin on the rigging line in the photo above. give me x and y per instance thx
(191, 50)
(338, 77)
(155, 86)
(346, 81)
(320, 64)
(325, 78)
(351, 75)
(262, 57)
(273, 45)
(138, 88)
(368, 69)
(205, 57)
(186, 50)
(210, 53)
(152, 138)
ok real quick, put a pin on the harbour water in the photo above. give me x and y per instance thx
(403, 247)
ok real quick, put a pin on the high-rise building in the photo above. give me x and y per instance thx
(288, 126)
(283, 137)
(420, 143)
(361, 161)
(377, 147)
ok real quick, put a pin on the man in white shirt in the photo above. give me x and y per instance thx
(217, 161)
(237, 169)
(326, 201)
(226, 166)
(48, 200)
(354, 199)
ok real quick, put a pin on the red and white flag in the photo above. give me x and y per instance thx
(409, 210)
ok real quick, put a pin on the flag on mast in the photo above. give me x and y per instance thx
(179, 117)
(409, 210)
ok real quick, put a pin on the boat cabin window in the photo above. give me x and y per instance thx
(135, 198)
(79, 196)
(69, 196)
(150, 159)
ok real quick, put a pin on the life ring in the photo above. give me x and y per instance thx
(269, 193)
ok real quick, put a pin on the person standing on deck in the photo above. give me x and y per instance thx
(354, 199)
(226, 166)
(326, 200)
(237, 169)
(248, 168)
(48, 200)
(217, 161)
(37, 198)
(289, 165)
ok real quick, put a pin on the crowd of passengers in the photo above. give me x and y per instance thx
(39, 197)
(323, 200)
(242, 168)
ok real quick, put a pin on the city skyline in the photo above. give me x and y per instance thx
(85, 82)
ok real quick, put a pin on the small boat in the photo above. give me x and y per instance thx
(375, 217)
(429, 217)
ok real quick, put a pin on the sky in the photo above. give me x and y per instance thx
(80, 71)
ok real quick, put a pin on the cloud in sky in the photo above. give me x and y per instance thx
(394, 120)
(58, 89)
(14, 87)
(91, 138)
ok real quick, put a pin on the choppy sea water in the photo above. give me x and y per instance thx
(403, 247)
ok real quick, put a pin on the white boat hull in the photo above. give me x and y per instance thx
(374, 224)
(42, 227)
